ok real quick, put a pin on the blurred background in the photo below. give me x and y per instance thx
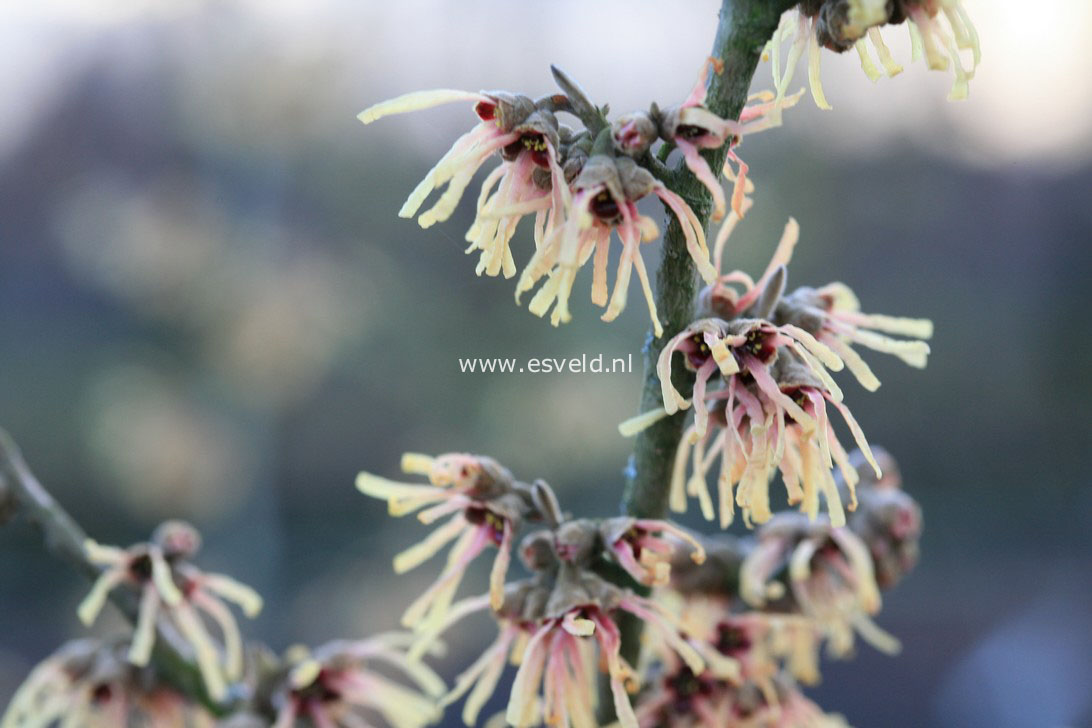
(210, 310)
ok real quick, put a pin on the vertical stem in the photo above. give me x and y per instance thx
(742, 32)
(744, 28)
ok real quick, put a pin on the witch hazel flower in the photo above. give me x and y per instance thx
(888, 520)
(337, 685)
(832, 315)
(756, 645)
(830, 575)
(752, 413)
(603, 200)
(553, 625)
(171, 587)
(524, 134)
(484, 505)
(773, 355)
(760, 643)
(939, 44)
(582, 605)
(790, 708)
(692, 127)
(762, 649)
(809, 456)
(90, 684)
(644, 547)
(839, 25)
(750, 410)
(529, 180)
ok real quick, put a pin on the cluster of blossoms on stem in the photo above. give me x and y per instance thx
(762, 361)
(174, 590)
(770, 601)
(940, 30)
(92, 684)
(337, 684)
(582, 185)
(104, 684)
(553, 623)
(735, 626)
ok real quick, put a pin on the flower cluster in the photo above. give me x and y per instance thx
(767, 603)
(772, 354)
(582, 185)
(940, 30)
(830, 575)
(171, 587)
(552, 623)
(337, 685)
(486, 507)
(91, 684)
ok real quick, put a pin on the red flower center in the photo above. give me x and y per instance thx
(485, 110)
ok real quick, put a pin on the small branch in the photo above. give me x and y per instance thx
(22, 493)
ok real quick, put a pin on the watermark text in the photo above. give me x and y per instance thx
(583, 364)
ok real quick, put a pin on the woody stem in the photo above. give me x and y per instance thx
(743, 29)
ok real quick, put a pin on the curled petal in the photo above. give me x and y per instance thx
(416, 101)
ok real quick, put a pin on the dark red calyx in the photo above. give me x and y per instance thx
(485, 110)
(605, 207)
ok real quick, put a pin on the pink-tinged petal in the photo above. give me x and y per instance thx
(630, 241)
(692, 229)
(724, 233)
(769, 387)
(437, 598)
(927, 32)
(782, 255)
(522, 699)
(610, 645)
(655, 616)
(286, 717)
(859, 437)
(701, 410)
(646, 288)
(739, 189)
(700, 169)
(460, 180)
(599, 270)
(487, 683)
(697, 94)
(439, 173)
(500, 567)
(673, 401)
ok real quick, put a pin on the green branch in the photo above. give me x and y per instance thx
(745, 27)
(742, 32)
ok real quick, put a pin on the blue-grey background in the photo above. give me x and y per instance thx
(209, 309)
